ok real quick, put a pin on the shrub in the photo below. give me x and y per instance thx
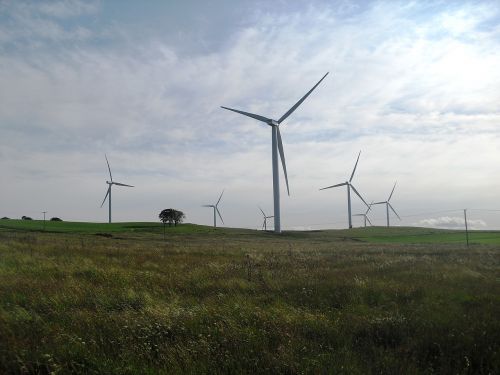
(55, 219)
(26, 218)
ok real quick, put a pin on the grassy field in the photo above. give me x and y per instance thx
(118, 299)
(400, 235)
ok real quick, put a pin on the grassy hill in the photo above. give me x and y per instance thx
(154, 230)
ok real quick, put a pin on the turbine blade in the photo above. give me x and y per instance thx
(252, 115)
(269, 217)
(120, 184)
(219, 198)
(373, 204)
(290, 111)
(282, 156)
(392, 191)
(355, 165)
(207, 205)
(369, 207)
(219, 215)
(393, 210)
(369, 221)
(328, 187)
(359, 195)
(262, 211)
(109, 169)
(106, 196)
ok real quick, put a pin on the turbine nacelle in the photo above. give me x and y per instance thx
(273, 123)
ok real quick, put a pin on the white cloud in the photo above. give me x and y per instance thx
(451, 222)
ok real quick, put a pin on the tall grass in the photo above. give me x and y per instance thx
(245, 304)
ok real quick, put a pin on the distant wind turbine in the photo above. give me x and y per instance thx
(216, 209)
(349, 187)
(264, 224)
(277, 146)
(388, 205)
(365, 215)
(108, 193)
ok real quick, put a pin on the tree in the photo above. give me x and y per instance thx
(26, 218)
(55, 219)
(167, 216)
(171, 216)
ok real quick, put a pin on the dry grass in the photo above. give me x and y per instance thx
(245, 304)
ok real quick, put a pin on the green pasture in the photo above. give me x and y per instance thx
(234, 301)
(403, 235)
(91, 298)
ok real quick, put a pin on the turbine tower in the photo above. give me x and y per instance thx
(388, 205)
(108, 193)
(365, 215)
(264, 224)
(277, 146)
(349, 187)
(216, 209)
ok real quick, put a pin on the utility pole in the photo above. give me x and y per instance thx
(44, 212)
(466, 228)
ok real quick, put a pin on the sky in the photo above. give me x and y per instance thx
(414, 85)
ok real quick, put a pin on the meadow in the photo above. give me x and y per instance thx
(120, 299)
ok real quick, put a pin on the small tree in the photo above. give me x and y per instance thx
(26, 218)
(55, 219)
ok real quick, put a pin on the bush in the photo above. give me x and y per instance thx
(26, 218)
(55, 219)
(5, 218)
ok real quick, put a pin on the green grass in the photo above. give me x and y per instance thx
(410, 235)
(239, 301)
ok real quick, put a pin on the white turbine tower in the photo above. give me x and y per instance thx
(264, 224)
(388, 205)
(349, 187)
(216, 209)
(277, 146)
(108, 193)
(365, 215)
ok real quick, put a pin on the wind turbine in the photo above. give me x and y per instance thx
(349, 187)
(388, 205)
(277, 146)
(214, 206)
(264, 224)
(108, 193)
(365, 215)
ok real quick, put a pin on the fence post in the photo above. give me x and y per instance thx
(466, 228)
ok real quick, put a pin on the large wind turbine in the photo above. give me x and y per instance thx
(349, 187)
(277, 146)
(215, 207)
(108, 193)
(388, 205)
(365, 215)
(264, 224)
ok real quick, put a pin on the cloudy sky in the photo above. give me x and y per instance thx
(414, 85)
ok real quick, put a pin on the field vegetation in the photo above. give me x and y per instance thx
(119, 299)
